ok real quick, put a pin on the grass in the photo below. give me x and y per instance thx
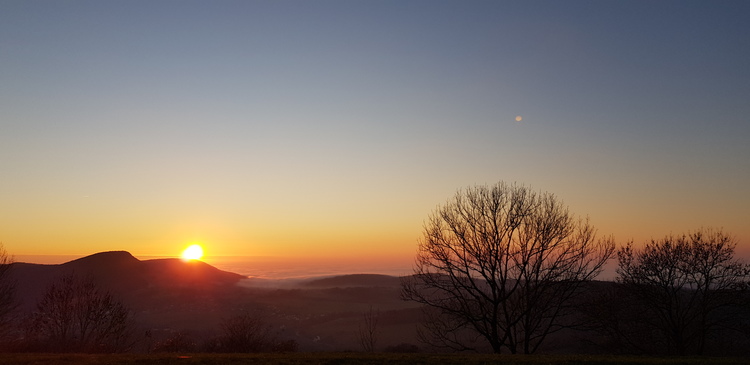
(356, 359)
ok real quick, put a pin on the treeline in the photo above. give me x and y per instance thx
(681, 295)
(504, 268)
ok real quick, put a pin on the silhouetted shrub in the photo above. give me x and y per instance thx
(248, 333)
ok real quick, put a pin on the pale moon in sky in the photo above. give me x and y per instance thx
(194, 252)
(518, 118)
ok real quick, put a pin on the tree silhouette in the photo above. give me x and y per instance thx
(683, 287)
(76, 316)
(500, 265)
(7, 291)
(248, 332)
(245, 333)
(368, 330)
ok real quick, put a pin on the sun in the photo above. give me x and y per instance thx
(193, 252)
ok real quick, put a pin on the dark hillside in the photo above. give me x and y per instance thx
(120, 273)
(354, 280)
(168, 296)
(180, 273)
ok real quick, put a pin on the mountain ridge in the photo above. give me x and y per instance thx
(121, 273)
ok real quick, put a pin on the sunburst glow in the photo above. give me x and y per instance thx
(193, 252)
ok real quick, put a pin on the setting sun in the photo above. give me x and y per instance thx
(193, 252)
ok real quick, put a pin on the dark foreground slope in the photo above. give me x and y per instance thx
(191, 298)
(358, 359)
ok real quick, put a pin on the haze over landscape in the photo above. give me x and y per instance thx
(316, 133)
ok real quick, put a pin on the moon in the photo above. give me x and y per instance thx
(193, 252)
(518, 118)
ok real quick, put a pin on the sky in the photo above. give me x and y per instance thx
(329, 130)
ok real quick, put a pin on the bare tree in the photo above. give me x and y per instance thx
(76, 316)
(249, 332)
(368, 330)
(245, 333)
(7, 291)
(500, 265)
(684, 287)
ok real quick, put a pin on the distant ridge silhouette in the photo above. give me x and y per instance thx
(121, 273)
(355, 280)
(105, 258)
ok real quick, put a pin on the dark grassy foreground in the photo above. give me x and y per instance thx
(355, 358)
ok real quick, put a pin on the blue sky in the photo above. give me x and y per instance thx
(335, 127)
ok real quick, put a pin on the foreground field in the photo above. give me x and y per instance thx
(354, 358)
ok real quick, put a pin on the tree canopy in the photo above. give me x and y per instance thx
(500, 265)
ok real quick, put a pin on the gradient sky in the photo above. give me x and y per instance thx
(326, 129)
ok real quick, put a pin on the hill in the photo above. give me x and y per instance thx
(354, 280)
(171, 296)
(121, 273)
